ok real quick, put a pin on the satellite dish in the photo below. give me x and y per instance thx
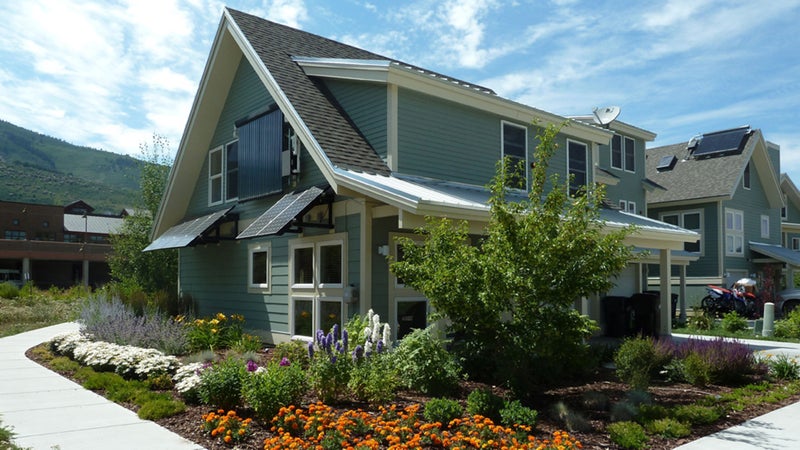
(606, 115)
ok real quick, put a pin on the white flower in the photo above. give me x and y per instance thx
(387, 336)
(376, 328)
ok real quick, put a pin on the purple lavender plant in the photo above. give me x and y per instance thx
(311, 350)
(285, 362)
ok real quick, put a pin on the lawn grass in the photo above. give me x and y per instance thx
(718, 331)
(35, 308)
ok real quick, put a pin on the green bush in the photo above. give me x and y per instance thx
(701, 320)
(425, 365)
(789, 326)
(266, 392)
(485, 403)
(295, 351)
(668, 428)
(160, 408)
(221, 384)
(648, 413)
(514, 413)
(783, 367)
(442, 410)
(374, 379)
(627, 435)
(635, 360)
(733, 322)
(696, 370)
(8, 290)
(696, 414)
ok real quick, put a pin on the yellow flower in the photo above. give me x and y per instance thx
(214, 331)
(221, 317)
(214, 322)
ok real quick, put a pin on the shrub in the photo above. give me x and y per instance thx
(623, 411)
(514, 413)
(696, 414)
(783, 367)
(425, 365)
(701, 320)
(668, 428)
(635, 361)
(696, 370)
(733, 322)
(221, 384)
(485, 403)
(160, 408)
(627, 435)
(115, 322)
(216, 333)
(648, 413)
(329, 371)
(8, 290)
(295, 351)
(789, 326)
(279, 384)
(374, 379)
(727, 362)
(442, 410)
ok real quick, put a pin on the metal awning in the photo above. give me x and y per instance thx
(280, 216)
(782, 254)
(185, 233)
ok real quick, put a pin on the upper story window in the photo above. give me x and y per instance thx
(734, 232)
(784, 210)
(623, 153)
(690, 220)
(765, 226)
(746, 177)
(576, 166)
(627, 206)
(795, 243)
(15, 235)
(223, 173)
(515, 147)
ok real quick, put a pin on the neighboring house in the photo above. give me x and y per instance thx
(790, 220)
(55, 245)
(303, 158)
(725, 186)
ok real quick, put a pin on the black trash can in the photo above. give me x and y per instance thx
(615, 315)
(644, 310)
(674, 302)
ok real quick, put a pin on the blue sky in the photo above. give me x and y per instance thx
(109, 74)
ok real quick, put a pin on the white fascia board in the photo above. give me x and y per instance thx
(386, 72)
(788, 227)
(290, 114)
(622, 127)
(218, 74)
(790, 189)
(766, 172)
(693, 202)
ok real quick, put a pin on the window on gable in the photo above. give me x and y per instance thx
(795, 243)
(734, 232)
(746, 177)
(576, 166)
(630, 155)
(616, 151)
(627, 206)
(215, 176)
(259, 266)
(784, 212)
(515, 148)
(764, 226)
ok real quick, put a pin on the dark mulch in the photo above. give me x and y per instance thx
(603, 384)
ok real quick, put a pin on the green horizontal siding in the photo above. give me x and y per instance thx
(366, 105)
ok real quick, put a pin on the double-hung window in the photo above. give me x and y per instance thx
(630, 155)
(623, 153)
(317, 271)
(515, 148)
(795, 243)
(734, 232)
(765, 226)
(223, 173)
(627, 206)
(746, 177)
(576, 166)
(690, 220)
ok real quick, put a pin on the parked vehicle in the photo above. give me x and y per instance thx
(741, 297)
(786, 300)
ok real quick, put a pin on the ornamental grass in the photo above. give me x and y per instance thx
(321, 427)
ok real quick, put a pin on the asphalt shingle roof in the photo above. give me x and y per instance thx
(276, 44)
(695, 179)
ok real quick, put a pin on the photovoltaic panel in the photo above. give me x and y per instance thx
(726, 141)
(184, 233)
(281, 213)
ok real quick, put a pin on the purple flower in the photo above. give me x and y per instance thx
(251, 366)
(345, 339)
(358, 353)
(380, 346)
(310, 350)
(321, 338)
(329, 342)
(336, 331)
(285, 362)
(339, 348)
(333, 359)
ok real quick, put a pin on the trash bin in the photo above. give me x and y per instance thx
(615, 316)
(645, 308)
(674, 302)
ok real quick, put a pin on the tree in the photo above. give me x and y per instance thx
(510, 299)
(152, 271)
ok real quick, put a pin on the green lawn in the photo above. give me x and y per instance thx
(34, 308)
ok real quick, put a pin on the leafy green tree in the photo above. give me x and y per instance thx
(152, 271)
(510, 299)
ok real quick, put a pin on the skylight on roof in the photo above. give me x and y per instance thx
(666, 163)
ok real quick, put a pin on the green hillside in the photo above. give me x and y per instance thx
(40, 169)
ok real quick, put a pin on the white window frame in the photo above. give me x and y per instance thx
(585, 162)
(632, 207)
(681, 215)
(252, 249)
(764, 226)
(747, 180)
(627, 206)
(795, 243)
(212, 177)
(625, 141)
(316, 291)
(734, 232)
(784, 208)
(503, 124)
(623, 205)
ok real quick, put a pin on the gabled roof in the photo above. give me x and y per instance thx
(79, 223)
(694, 180)
(788, 187)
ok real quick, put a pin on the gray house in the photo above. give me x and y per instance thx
(303, 158)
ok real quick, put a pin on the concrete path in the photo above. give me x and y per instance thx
(47, 411)
(777, 430)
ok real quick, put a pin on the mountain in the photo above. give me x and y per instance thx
(41, 169)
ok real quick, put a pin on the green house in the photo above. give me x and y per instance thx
(303, 158)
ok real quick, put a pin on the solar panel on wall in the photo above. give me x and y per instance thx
(184, 233)
(281, 213)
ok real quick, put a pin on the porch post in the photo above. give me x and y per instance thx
(665, 324)
(789, 276)
(682, 291)
(85, 273)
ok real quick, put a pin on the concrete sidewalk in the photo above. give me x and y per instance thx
(47, 411)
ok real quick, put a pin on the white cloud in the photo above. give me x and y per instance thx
(289, 12)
